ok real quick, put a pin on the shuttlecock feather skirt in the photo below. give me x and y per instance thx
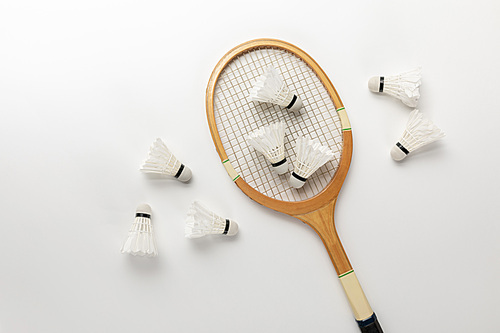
(140, 240)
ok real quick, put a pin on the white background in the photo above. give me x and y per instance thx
(85, 88)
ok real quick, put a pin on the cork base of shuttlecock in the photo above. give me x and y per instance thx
(297, 105)
(281, 169)
(185, 175)
(291, 102)
(374, 84)
(295, 182)
(143, 208)
(397, 154)
(233, 228)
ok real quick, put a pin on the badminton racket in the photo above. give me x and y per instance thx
(231, 116)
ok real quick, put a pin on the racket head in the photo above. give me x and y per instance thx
(222, 75)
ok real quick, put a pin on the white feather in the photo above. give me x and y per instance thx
(404, 86)
(311, 155)
(162, 161)
(270, 88)
(269, 141)
(140, 240)
(419, 132)
(201, 222)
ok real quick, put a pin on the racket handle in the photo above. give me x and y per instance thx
(370, 325)
(365, 317)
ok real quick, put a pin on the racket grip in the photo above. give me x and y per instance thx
(365, 317)
(370, 325)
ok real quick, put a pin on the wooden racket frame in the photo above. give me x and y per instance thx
(318, 211)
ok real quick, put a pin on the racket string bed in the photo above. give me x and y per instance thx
(244, 116)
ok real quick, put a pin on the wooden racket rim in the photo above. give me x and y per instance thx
(330, 192)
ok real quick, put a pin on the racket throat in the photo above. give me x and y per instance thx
(321, 220)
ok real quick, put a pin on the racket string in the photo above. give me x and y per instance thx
(236, 116)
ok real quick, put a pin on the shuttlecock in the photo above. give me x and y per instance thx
(311, 155)
(404, 86)
(162, 161)
(141, 240)
(269, 140)
(270, 88)
(201, 221)
(418, 133)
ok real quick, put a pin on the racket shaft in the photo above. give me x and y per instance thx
(322, 222)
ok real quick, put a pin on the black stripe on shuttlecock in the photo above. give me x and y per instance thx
(181, 168)
(302, 179)
(143, 215)
(226, 229)
(403, 149)
(277, 164)
(294, 99)
(381, 86)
